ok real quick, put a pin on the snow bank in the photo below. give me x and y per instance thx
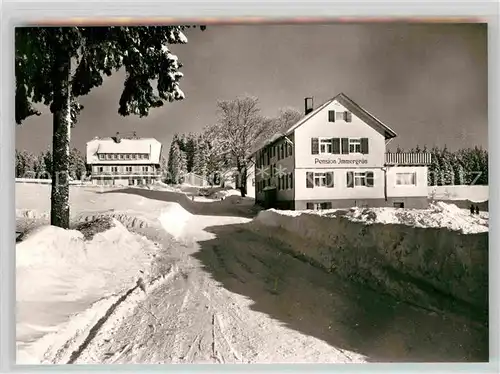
(173, 219)
(439, 215)
(431, 266)
(59, 274)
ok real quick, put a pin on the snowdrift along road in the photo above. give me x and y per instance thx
(59, 273)
(396, 252)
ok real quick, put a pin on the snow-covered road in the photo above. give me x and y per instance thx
(238, 296)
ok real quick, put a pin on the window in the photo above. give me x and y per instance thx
(318, 206)
(339, 116)
(319, 179)
(128, 168)
(399, 205)
(145, 168)
(115, 156)
(121, 157)
(325, 145)
(406, 179)
(100, 169)
(354, 145)
(114, 169)
(360, 179)
(101, 157)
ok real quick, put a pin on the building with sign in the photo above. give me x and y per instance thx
(124, 161)
(335, 157)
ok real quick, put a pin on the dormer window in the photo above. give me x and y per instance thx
(101, 156)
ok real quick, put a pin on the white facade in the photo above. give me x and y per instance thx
(124, 162)
(336, 157)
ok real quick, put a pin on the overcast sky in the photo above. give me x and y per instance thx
(427, 82)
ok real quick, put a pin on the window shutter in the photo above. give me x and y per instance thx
(348, 116)
(336, 146)
(331, 116)
(329, 179)
(286, 150)
(345, 115)
(290, 152)
(314, 146)
(345, 146)
(309, 179)
(364, 146)
(350, 179)
(369, 178)
(291, 180)
(285, 177)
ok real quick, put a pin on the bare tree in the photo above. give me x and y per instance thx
(239, 125)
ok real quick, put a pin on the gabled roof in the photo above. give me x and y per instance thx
(350, 105)
(366, 116)
(150, 146)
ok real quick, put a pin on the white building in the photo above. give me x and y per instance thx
(124, 161)
(335, 157)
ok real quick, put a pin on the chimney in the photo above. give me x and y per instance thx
(117, 138)
(308, 101)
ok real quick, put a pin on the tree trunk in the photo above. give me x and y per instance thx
(242, 175)
(61, 112)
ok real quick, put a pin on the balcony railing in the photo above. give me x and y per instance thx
(408, 159)
(125, 174)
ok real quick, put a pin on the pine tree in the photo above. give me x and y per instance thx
(77, 167)
(163, 169)
(47, 161)
(434, 172)
(44, 74)
(200, 157)
(176, 163)
(190, 150)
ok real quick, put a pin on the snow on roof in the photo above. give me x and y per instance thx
(98, 146)
(343, 99)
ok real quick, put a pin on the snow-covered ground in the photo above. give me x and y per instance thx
(59, 273)
(221, 288)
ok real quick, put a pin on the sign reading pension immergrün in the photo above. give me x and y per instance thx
(341, 161)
